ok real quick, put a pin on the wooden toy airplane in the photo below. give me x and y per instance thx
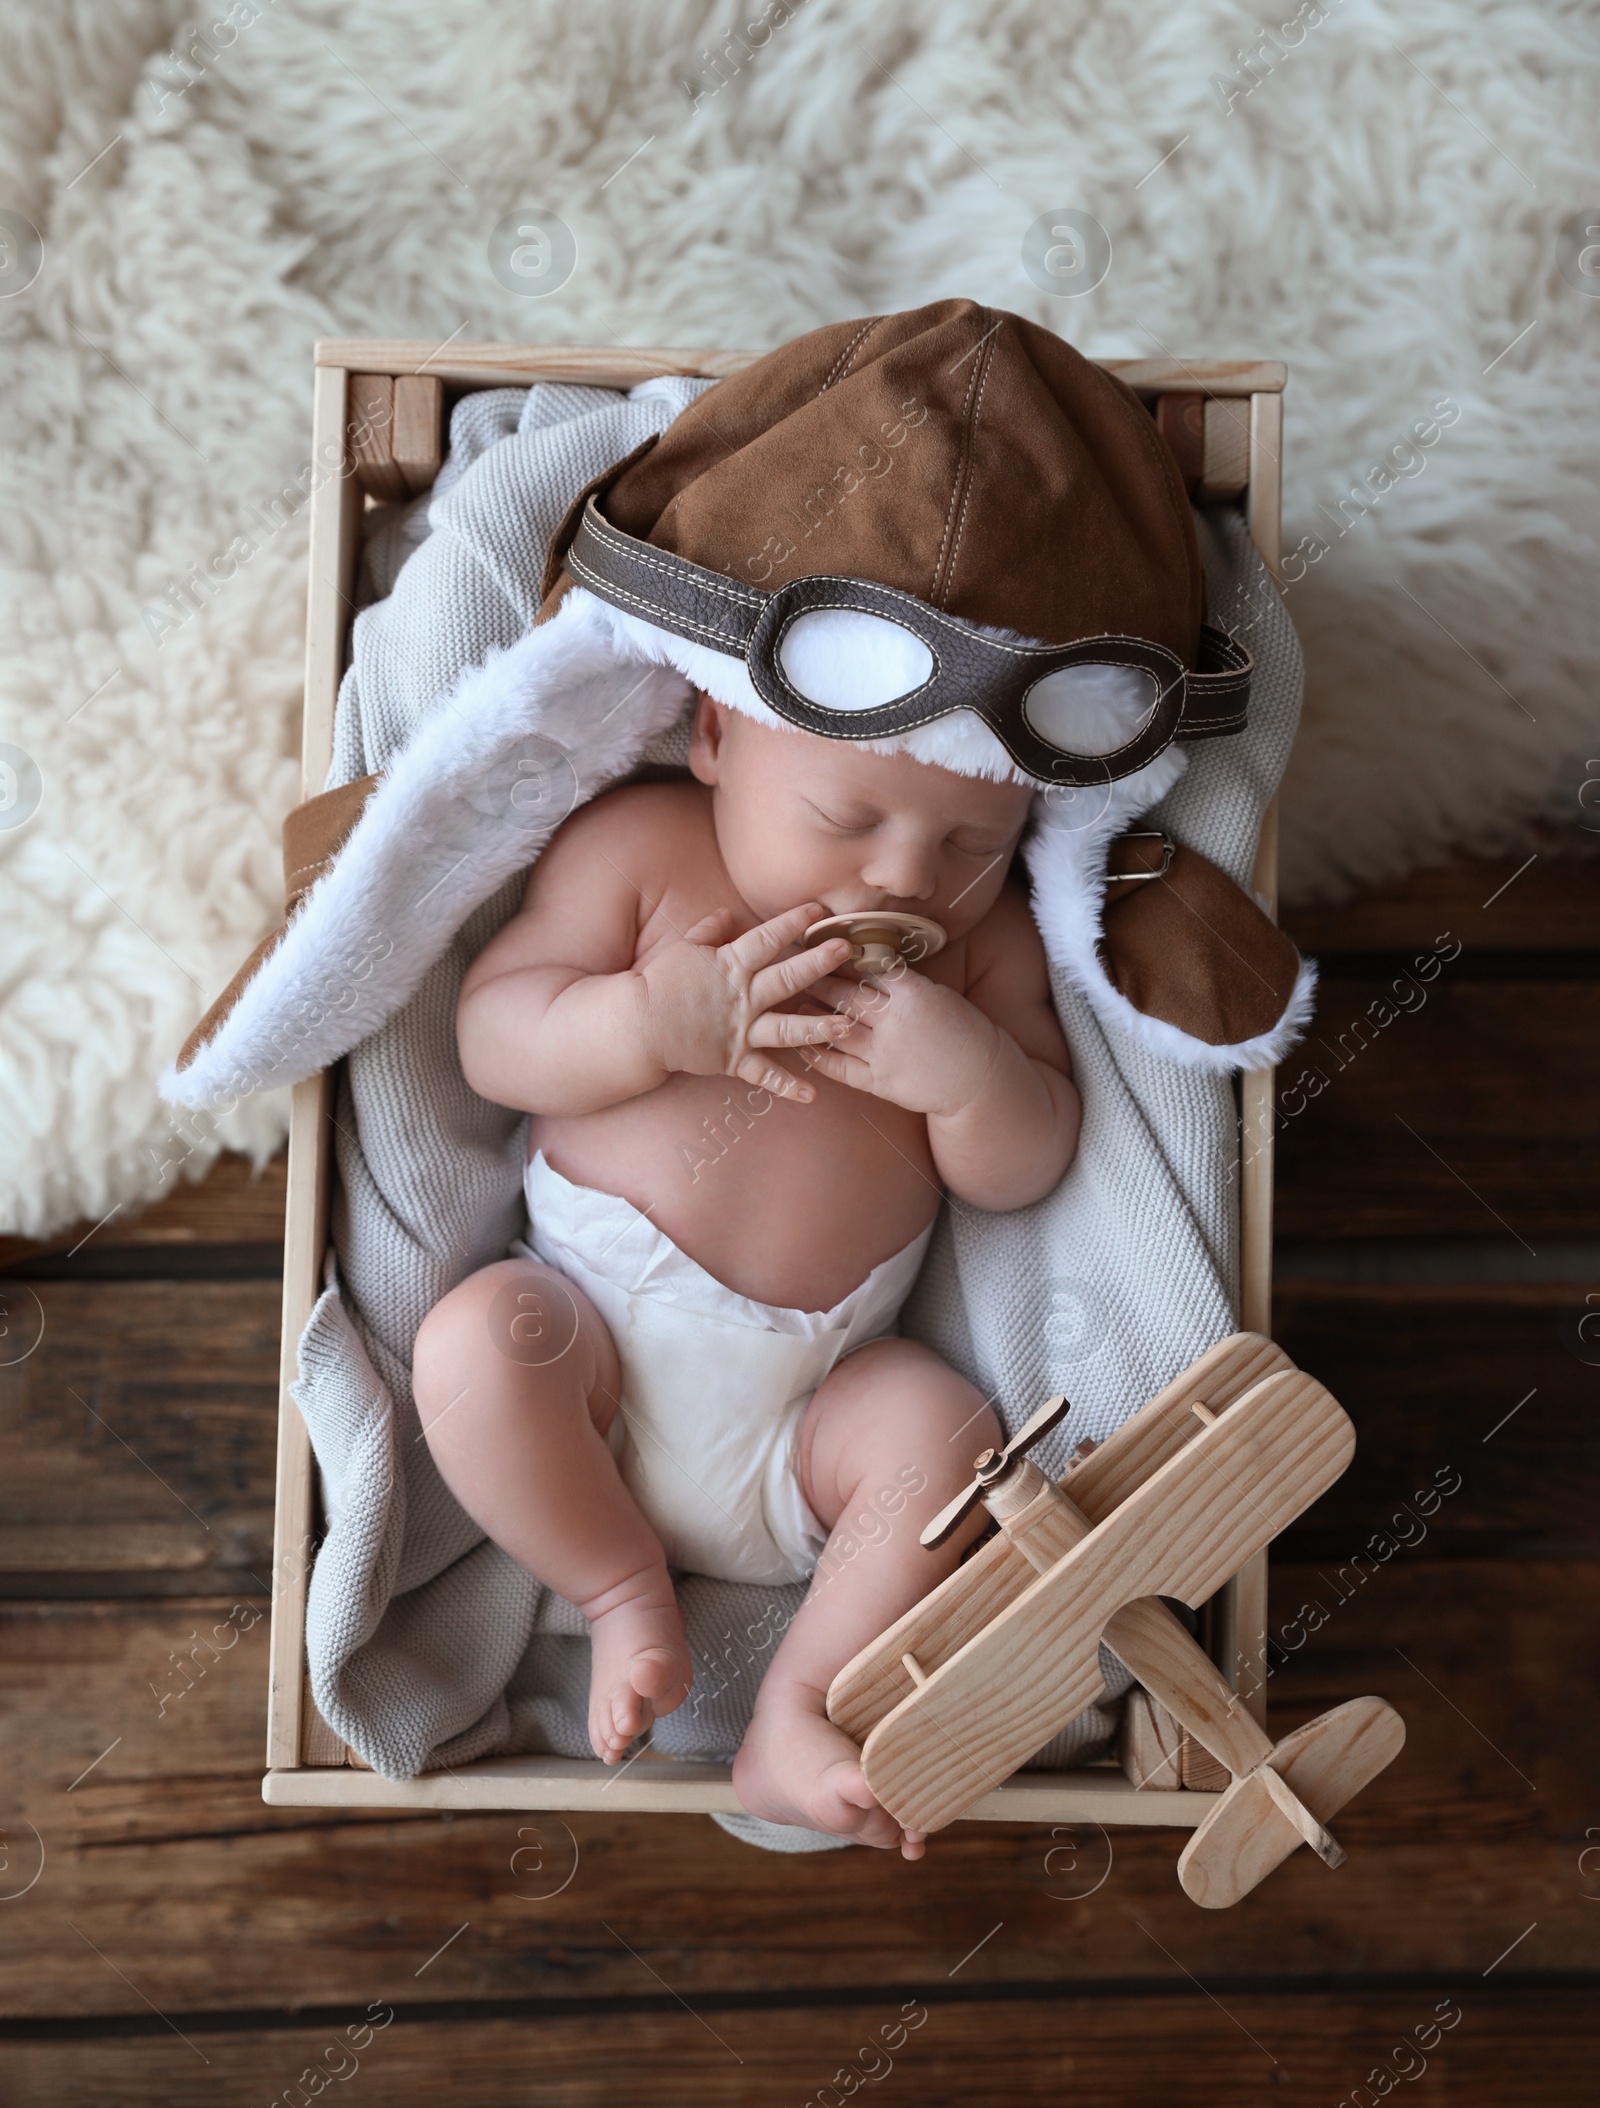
(1001, 1655)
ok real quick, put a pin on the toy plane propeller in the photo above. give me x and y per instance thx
(990, 1466)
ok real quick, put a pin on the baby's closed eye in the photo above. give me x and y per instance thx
(847, 819)
(972, 841)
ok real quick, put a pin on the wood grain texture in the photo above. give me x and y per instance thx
(336, 507)
(1257, 1133)
(532, 1785)
(502, 365)
(1245, 1603)
(305, 1243)
(1550, 904)
(372, 441)
(1210, 439)
(1198, 1769)
(418, 428)
(1044, 1523)
(231, 1204)
(491, 365)
(1470, 1114)
(1165, 2047)
(1479, 1388)
(1040, 1520)
(1240, 1611)
(136, 1439)
(1166, 1424)
(166, 1857)
(1150, 1641)
(1150, 1747)
(1207, 376)
(1264, 501)
(1225, 472)
(1310, 1776)
(307, 1184)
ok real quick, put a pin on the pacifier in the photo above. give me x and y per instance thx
(880, 936)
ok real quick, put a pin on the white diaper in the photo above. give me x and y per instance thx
(713, 1384)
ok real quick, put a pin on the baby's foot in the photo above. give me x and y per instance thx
(795, 1766)
(639, 1665)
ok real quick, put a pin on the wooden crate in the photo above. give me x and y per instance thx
(1229, 443)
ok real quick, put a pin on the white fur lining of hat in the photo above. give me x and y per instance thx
(436, 839)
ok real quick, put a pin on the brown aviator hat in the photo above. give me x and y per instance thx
(889, 521)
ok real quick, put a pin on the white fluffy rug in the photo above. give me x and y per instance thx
(1383, 209)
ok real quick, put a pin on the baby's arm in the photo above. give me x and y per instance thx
(555, 1016)
(1009, 1143)
(987, 1065)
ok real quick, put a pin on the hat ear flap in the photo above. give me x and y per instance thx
(313, 834)
(1189, 948)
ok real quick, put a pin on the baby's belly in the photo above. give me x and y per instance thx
(791, 1204)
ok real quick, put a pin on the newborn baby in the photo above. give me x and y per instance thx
(737, 1151)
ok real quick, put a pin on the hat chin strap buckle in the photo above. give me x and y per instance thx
(1140, 878)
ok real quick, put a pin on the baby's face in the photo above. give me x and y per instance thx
(801, 818)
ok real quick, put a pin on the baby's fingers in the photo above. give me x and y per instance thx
(767, 1076)
(858, 999)
(710, 929)
(841, 1067)
(787, 1028)
(757, 947)
(775, 984)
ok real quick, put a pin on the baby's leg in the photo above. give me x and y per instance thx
(516, 1381)
(890, 1417)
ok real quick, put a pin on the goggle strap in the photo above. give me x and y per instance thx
(662, 588)
(709, 609)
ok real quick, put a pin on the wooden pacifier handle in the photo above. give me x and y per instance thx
(880, 936)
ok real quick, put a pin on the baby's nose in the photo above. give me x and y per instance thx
(901, 882)
(905, 872)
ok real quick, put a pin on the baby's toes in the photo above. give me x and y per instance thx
(659, 1674)
(848, 1807)
(613, 1723)
(602, 1738)
(630, 1713)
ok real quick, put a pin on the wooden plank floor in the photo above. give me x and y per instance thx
(166, 1938)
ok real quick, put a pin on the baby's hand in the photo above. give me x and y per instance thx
(911, 1041)
(709, 1002)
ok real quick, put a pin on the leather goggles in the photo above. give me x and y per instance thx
(1002, 683)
